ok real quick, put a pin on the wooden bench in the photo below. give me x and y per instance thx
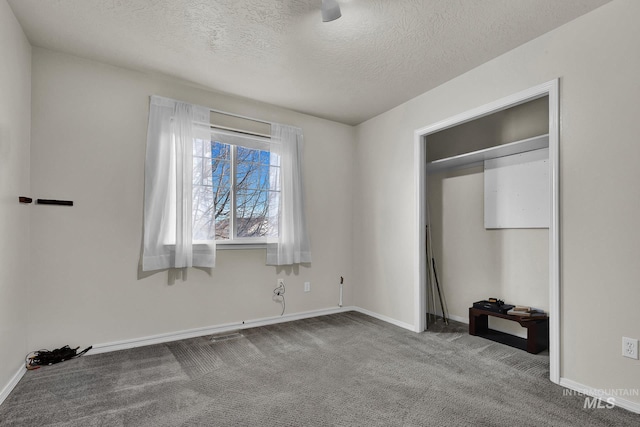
(537, 330)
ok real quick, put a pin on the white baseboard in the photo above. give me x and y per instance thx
(192, 333)
(12, 383)
(210, 330)
(460, 319)
(384, 318)
(617, 395)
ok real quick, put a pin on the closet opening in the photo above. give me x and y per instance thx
(487, 191)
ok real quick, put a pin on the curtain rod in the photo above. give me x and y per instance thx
(226, 128)
(213, 110)
(246, 132)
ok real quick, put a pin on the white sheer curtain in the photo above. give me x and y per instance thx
(168, 187)
(291, 246)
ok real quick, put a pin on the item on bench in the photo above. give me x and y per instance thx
(493, 304)
(522, 311)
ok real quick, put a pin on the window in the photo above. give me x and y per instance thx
(204, 186)
(235, 189)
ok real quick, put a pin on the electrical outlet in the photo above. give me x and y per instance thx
(280, 282)
(630, 348)
(307, 286)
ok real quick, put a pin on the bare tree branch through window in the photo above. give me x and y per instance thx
(233, 187)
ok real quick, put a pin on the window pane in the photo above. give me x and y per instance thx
(211, 192)
(265, 157)
(263, 182)
(203, 224)
(220, 150)
(274, 178)
(221, 182)
(274, 159)
(248, 155)
(251, 213)
(211, 213)
(221, 173)
(223, 211)
(197, 147)
(197, 171)
(252, 199)
(246, 176)
(206, 172)
(252, 176)
(272, 214)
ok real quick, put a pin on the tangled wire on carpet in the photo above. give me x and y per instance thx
(35, 359)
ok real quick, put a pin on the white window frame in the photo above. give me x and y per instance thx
(235, 242)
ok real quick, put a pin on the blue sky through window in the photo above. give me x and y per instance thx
(214, 213)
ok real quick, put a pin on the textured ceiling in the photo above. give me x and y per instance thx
(380, 54)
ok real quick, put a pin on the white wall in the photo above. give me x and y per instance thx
(88, 145)
(596, 59)
(15, 122)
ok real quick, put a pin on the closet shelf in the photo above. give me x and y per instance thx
(478, 157)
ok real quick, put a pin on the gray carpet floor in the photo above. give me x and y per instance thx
(346, 369)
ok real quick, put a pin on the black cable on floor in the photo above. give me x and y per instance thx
(35, 359)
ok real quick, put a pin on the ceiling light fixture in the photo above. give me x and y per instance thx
(330, 10)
